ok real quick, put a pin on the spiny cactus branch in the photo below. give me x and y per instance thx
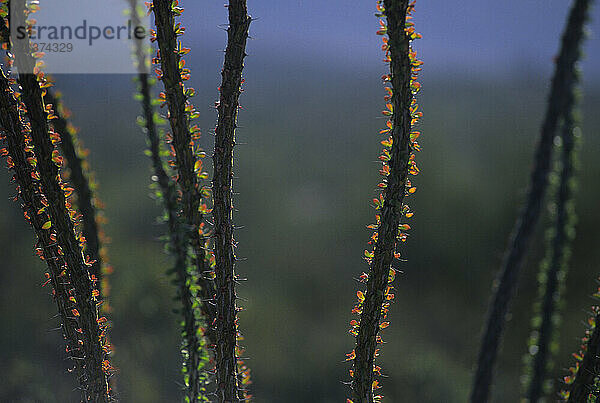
(397, 157)
(555, 267)
(80, 181)
(33, 201)
(183, 138)
(194, 346)
(519, 240)
(226, 322)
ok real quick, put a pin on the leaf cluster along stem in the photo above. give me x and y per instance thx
(33, 201)
(391, 212)
(90, 338)
(77, 269)
(589, 367)
(80, 181)
(179, 242)
(554, 270)
(182, 142)
(181, 229)
(226, 322)
(562, 84)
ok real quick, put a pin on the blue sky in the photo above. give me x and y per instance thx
(470, 37)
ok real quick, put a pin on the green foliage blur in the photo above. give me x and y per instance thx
(306, 169)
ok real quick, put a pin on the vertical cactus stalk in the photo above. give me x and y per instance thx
(229, 387)
(196, 306)
(79, 179)
(184, 147)
(36, 161)
(88, 203)
(66, 237)
(519, 241)
(194, 353)
(82, 180)
(398, 161)
(184, 144)
(92, 380)
(553, 271)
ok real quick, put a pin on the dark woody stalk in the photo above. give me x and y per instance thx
(183, 138)
(193, 345)
(229, 388)
(519, 241)
(397, 163)
(88, 338)
(553, 270)
(88, 369)
(88, 203)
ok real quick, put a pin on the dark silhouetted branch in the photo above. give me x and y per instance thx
(397, 162)
(554, 268)
(229, 388)
(562, 84)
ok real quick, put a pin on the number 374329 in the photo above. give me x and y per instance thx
(54, 47)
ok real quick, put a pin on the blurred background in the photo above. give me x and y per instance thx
(306, 169)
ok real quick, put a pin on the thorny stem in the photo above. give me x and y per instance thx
(185, 157)
(519, 241)
(178, 231)
(179, 241)
(81, 184)
(559, 254)
(227, 368)
(32, 198)
(78, 272)
(391, 211)
(92, 338)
